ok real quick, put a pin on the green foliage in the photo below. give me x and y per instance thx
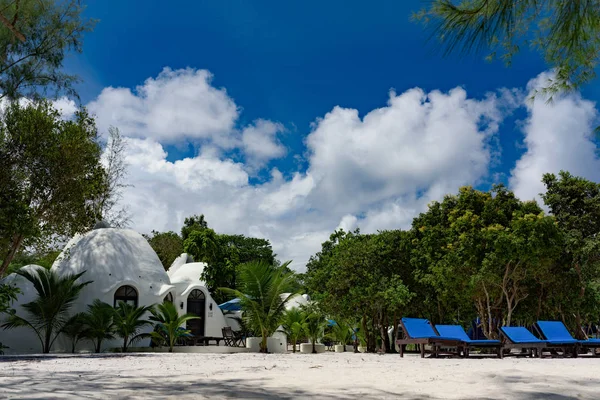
(223, 255)
(34, 39)
(8, 294)
(168, 328)
(292, 325)
(263, 290)
(99, 323)
(193, 223)
(575, 203)
(314, 325)
(167, 245)
(566, 32)
(359, 276)
(74, 329)
(342, 333)
(50, 173)
(128, 321)
(48, 314)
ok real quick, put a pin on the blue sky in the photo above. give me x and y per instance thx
(292, 63)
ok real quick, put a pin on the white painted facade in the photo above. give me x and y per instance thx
(113, 258)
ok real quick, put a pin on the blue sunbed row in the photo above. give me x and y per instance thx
(554, 335)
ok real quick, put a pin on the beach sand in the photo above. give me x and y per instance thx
(295, 376)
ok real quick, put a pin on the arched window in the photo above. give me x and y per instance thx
(196, 294)
(126, 294)
(168, 298)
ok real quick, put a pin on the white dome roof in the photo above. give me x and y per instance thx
(111, 257)
(183, 259)
(188, 273)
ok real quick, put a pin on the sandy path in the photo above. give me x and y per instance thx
(287, 376)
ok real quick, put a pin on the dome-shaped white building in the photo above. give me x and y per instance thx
(122, 267)
(193, 297)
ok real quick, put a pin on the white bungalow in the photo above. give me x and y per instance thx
(122, 267)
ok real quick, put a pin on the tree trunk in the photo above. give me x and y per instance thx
(16, 244)
(294, 346)
(125, 344)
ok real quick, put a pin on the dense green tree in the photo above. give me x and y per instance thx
(566, 32)
(223, 254)
(50, 173)
(193, 223)
(35, 36)
(575, 203)
(48, 313)
(167, 245)
(74, 329)
(129, 320)
(264, 291)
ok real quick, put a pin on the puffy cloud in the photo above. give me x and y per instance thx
(558, 136)
(375, 173)
(260, 142)
(176, 105)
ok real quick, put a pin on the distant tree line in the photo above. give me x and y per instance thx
(476, 254)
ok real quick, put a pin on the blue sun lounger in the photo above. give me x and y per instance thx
(518, 337)
(420, 332)
(458, 332)
(557, 334)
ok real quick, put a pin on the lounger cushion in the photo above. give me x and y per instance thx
(590, 342)
(458, 332)
(418, 328)
(556, 332)
(519, 334)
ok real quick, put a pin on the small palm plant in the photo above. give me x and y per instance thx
(129, 320)
(342, 333)
(74, 329)
(261, 289)
(48, 314)
(99, 323)
(169, 324)
(314, 326)
(291, 325)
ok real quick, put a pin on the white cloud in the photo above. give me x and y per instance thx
(558, 136)
(176, 105)
(260, 142)
(375, 173)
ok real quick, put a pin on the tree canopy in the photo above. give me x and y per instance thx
(566, 32)
(50, 175)
(35, 35)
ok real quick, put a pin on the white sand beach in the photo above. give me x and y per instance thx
(295, 376)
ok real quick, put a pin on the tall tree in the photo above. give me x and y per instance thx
(167, 245)
(48, 313)
(107, 203)
(193, 223)
(575, 203)
(50, 175)
(566, 32)
(35, 35)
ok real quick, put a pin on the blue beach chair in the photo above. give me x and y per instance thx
(420, 332)
(518, 337)
(458, 332)
(557, 334)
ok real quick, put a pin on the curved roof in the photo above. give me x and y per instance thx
(111, 257)
(189, 273)
(183, 259)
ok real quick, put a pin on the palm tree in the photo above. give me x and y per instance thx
(128, 320)
(74, 329)
(47, 315)
(99, 323)
(342, 333)
(168, 324)
(262, 289)
(291, 325)
(314, 326)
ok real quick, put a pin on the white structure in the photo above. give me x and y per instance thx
(122, 267)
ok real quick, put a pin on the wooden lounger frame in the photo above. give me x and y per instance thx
(533, 349)
(436, 344)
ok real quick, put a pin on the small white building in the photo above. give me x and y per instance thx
(122, 267)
